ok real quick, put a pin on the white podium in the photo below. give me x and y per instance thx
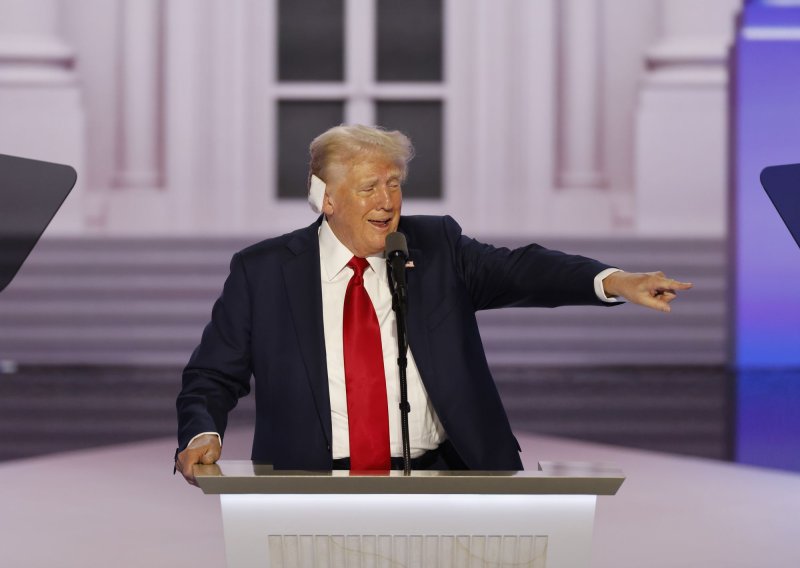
(430, 518)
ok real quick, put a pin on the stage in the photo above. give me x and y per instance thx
(120, 506)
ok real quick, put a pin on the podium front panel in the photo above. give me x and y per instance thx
(283, 531)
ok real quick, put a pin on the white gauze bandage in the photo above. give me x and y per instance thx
(316, 193)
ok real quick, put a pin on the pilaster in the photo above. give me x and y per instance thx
(681, 122)
(41, 111)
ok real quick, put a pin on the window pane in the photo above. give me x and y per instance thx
(409, 38)
(422, 122)
(310, 40)
(299, 122)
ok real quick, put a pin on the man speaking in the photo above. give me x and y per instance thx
(309, 316)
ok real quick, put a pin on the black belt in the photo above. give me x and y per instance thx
(422, 462)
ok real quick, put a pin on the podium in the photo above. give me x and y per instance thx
(274, 518)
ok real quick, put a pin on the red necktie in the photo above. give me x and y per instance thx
(365, 380)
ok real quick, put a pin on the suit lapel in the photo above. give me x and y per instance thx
(302, 278)
(419, 334)
(416, 316)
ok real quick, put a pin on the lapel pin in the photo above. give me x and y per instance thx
(409, 264)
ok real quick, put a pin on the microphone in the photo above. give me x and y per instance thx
(396, 257)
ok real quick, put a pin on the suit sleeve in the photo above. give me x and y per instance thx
(529, 276)
(219, 370)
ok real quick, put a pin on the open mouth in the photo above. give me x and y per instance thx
(380, 224)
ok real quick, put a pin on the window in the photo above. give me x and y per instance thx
(360, 61)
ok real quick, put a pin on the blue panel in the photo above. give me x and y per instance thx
(767, 260)
(766, 114)
(768, 429)
(772, 14)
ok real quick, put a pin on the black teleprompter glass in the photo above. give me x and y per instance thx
(310, 40)
(422, 122)
(409, 40)
(299, 122)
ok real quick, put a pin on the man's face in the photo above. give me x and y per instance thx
(363, 205)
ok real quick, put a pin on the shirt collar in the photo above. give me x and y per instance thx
(335, 256)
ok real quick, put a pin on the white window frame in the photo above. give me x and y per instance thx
(359, 91)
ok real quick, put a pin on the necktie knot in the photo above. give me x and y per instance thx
(358, 265)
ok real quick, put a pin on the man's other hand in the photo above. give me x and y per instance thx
(204, 449)
(650, 289)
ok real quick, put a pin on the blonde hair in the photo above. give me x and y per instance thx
(343, 144)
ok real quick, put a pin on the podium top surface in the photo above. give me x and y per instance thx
(552, 478)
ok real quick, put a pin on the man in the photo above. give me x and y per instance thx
(308, 315)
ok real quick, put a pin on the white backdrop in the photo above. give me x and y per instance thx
(564, 117)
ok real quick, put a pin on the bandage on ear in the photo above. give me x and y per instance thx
(316, 193)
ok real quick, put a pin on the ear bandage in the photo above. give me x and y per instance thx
(316, 193)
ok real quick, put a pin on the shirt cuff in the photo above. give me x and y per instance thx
(598, 286)
(219, 438)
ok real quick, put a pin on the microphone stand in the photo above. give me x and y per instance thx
(400, 305)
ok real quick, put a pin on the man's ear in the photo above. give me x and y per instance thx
(327, 204)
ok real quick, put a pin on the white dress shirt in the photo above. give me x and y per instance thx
(425, 432)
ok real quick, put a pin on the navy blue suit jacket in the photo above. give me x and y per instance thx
(268, 323)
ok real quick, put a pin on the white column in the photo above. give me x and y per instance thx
(490, 93)
(579, 156)
(681, 122)
(139, 163)
(41, 114)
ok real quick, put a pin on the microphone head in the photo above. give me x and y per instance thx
(396, 245)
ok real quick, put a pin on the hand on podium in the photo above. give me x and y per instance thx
(651, 289)
(204, 449)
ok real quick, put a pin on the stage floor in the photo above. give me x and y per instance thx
(120, 506)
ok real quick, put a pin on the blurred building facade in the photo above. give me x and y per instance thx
(191, 117)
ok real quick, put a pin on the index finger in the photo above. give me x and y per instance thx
(183, 467)
(672, 284)
(188, 474)
(185, 464)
